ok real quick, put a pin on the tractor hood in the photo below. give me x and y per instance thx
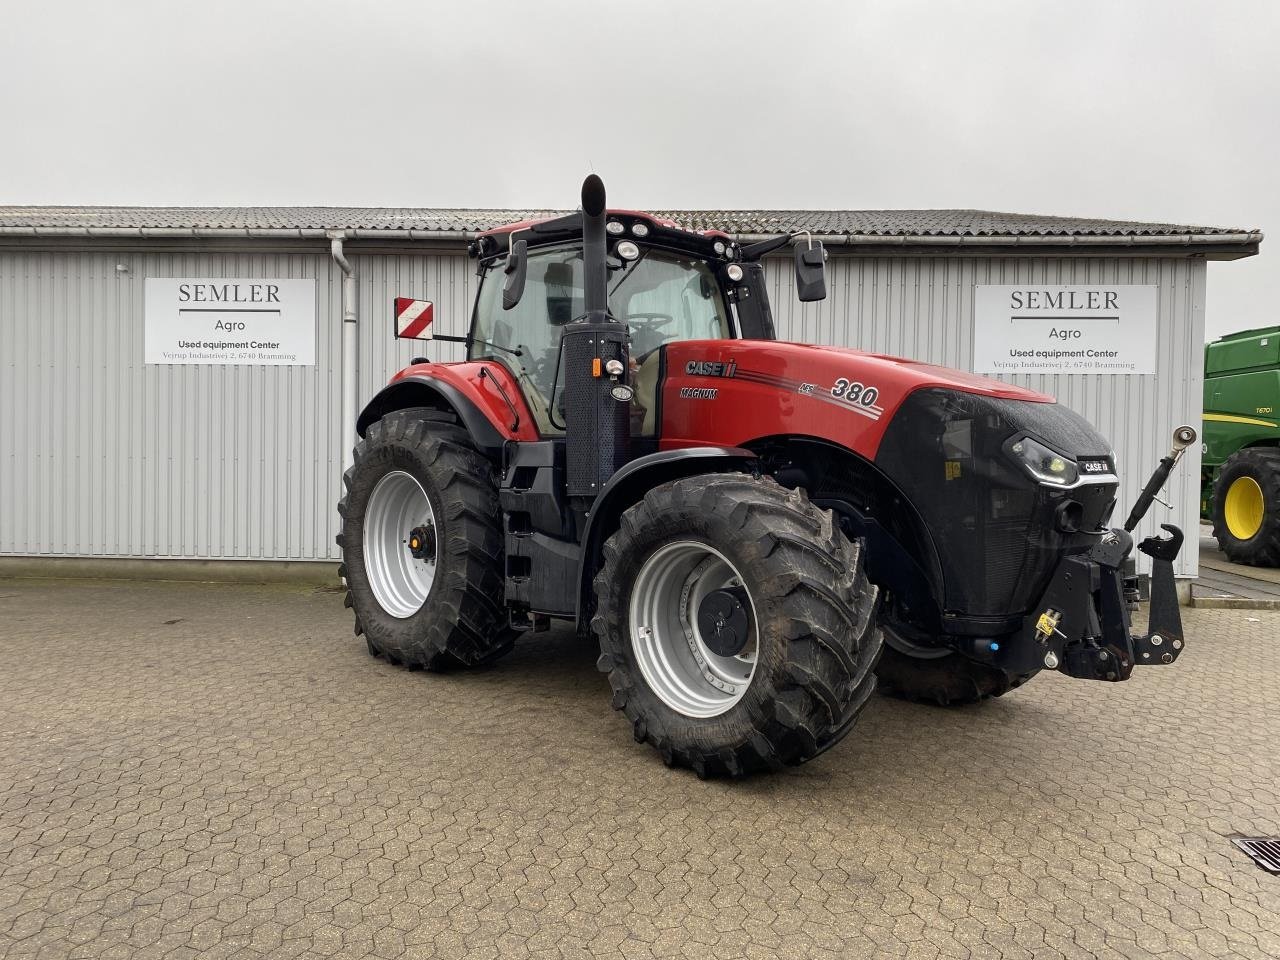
(931, 375)
(740, 390)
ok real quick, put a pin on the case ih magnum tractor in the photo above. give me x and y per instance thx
(757, 532)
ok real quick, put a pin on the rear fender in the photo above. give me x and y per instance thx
(629, 485)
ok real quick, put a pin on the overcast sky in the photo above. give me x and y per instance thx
(1163, 111)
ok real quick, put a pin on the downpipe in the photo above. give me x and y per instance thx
(350, 349)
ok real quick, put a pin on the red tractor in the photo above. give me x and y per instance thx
(756, 532)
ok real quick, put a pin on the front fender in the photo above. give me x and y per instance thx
(483, 395)
(629, 485)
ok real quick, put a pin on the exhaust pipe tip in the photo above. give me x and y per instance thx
(593, 196)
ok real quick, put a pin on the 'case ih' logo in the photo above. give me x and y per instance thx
(1095, 466)
(711, 368)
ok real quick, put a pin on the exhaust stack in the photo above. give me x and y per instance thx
(595, 271)
(596, 355)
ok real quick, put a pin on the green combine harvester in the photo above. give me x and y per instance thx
(1240, 476)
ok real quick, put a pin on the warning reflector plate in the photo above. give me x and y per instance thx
(413, 318)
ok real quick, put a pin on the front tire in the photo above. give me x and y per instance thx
(422, 544)
(1246, 507)
(736, 624)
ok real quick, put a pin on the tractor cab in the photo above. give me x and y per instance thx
(664, 284)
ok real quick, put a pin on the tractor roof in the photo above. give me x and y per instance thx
(625, 215)
(653, 229)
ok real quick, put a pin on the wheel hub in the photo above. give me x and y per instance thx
(724, 622)
(422, 543)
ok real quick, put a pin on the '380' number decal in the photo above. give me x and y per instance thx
(851, 391)
(859, 397)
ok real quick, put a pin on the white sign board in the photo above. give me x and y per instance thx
(1030, 328)
(230, 321)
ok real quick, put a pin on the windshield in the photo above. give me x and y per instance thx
(665, 297)
(662, 297)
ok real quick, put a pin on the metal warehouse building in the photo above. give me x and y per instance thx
(106, 451)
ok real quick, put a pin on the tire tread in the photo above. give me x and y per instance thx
(468, 626)
(817, 584)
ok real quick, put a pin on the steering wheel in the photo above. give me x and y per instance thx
(664, 318)
(654, 321)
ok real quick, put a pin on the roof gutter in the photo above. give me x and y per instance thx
(292, 233)
(1005, 240)
(838, 239)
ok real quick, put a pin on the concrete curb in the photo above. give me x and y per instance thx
(1234, 603)
(319, 573)
(1262, 574)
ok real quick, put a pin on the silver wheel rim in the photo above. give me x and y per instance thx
(399, 580)
(676, 663)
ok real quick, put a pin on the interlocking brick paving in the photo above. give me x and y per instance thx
(203, 770)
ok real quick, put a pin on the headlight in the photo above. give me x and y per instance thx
(627, 250)
(1047, 466)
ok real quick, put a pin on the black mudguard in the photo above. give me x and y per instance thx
(423, 391)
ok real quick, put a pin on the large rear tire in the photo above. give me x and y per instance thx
(422, 544)
(736, 624)
(1246, 507)
(939, 676)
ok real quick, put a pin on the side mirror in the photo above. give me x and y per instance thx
(811, 272)
(516, 269)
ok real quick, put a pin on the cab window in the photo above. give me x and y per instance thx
(662, 297)
(552, 298)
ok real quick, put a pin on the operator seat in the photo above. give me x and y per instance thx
(646, 387)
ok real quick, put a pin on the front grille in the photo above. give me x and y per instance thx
(1006, 548)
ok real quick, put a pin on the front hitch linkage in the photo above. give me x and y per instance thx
(1118, 651)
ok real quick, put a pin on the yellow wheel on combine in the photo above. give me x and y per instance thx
(1246, 507)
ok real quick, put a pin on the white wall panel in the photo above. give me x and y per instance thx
(104, 455)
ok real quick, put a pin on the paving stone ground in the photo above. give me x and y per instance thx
(222, 771)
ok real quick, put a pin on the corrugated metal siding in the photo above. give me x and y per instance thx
(923, 308)
(101, 455)
(104, 455)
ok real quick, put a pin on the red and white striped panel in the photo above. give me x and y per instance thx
(413, 318)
